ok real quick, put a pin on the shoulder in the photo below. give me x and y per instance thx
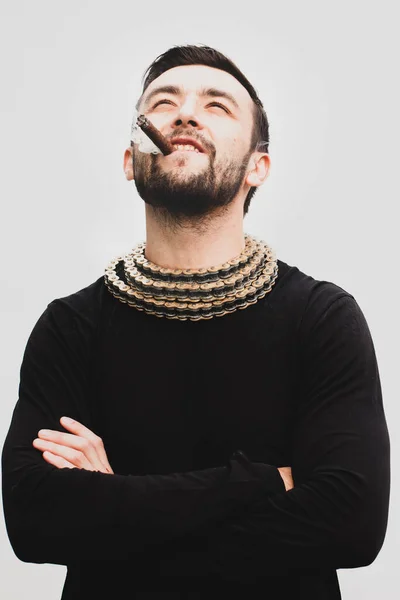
(76, 313)
(307, 288)
(312, 298)
(330, 326)
(87, 300)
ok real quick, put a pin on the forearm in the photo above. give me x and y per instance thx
(335, 521)
(63, 515)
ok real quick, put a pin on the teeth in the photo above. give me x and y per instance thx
(186, 147)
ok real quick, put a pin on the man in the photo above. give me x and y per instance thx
(228, 430)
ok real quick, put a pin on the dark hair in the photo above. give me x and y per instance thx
(204, 55)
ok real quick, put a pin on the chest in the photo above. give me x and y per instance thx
(176, 396)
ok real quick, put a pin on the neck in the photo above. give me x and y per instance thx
(190, 247)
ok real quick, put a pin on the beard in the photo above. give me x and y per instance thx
(193, 198)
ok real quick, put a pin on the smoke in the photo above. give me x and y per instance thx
(261, 147)
(143, 142)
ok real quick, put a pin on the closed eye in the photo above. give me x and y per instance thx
(165, 101)
(162, 102)
(220, 106)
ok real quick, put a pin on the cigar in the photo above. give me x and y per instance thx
(155, 135)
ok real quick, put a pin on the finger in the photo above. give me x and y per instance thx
(84, 432)
(93, 450)
(286, 474)
(72, 441)
(57, 461)
(74, 457)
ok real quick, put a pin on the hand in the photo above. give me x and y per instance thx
(286, 474)
(83, 449)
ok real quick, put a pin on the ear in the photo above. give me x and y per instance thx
(128, 164)
(260, 167)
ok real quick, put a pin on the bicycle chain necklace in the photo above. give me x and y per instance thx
(193, 294)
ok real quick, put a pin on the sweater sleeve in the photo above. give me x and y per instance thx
(67, 515)
(336, 514)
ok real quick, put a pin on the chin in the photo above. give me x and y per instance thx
(179, 172)
(180, 160)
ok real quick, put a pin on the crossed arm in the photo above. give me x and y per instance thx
(83, 449)
(335, 516)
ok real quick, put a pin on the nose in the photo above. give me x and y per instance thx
(187, 115)
(186, 121)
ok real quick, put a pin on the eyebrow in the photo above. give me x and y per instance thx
(177, 91)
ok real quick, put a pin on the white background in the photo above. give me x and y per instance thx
(327, 73)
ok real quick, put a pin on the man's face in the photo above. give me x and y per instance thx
(211, 108)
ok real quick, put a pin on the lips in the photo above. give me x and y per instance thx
(187, 141)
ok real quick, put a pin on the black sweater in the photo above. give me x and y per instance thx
(291, 381)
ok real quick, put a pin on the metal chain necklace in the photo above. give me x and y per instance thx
(193, 294)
